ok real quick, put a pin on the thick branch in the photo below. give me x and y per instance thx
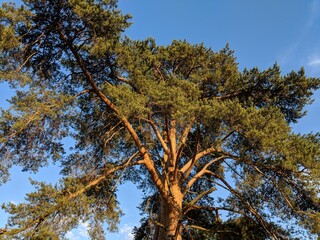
(201, 173)
(198, 227)
(173, 141)
(155, 175)
(209, 208)
(158, 134)
(189, 167)
(103, 177)
(210, 230)
(201, 195)
(198, 156)
(182, 144)
(185, 135)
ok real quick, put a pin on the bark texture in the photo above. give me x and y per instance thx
(170, 216)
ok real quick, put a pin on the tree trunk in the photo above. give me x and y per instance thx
(170, 217)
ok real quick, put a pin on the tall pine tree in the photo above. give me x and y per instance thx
(180, 121)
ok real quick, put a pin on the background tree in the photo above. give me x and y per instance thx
(181, 121)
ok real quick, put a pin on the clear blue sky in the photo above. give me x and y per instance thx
(261, 32)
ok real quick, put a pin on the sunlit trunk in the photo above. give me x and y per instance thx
(170, 217)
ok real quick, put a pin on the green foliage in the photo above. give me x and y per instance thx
(130, 103)
(154, 115)
(52, 211)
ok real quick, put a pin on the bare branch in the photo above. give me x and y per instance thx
(281, 192)
(31, 55)
(228, 135)
(209, 208)
(158, 134)
(186, 133)
(25, 62)
(160, 73)
(110, 137)
(198, 156)
(210, 230)
(80, 93)
(157, 223)
(201, 172)
(186, 169)
(103, 177)
(172, 136)
(184, 137)
(122, 79)
(249, 206)
(198, 227)
(201, 195)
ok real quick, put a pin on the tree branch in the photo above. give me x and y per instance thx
(32, 117)
(186, 169)
(160, 73)
(25, 125)
(198, 227)
(209, 208)
(183, 141)
(185, 134)
(103, 177)
(249, 206)
(155, 175)
(201, 195)
(201, 172)
(198, 156)
(71, 196)
(286, 199)
(228, 135)
(122, 79)
(173, 141)
(158, 134)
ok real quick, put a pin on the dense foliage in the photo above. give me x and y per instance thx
(180, 121)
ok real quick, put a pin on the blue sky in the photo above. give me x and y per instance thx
(260, 32)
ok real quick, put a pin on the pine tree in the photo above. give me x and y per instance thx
(180, 121)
